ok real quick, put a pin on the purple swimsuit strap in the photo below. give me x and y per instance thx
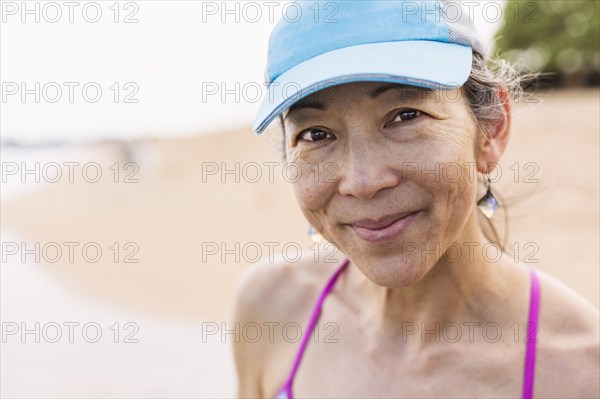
(531, 339)
(287, 388)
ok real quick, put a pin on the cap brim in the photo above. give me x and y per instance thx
(421, 63)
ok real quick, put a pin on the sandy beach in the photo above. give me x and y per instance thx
(197, 197)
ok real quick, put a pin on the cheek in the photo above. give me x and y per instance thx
(314, 184)
(313, 200)
(313, 180)
(454, 182)
(311, 186)
(455, 196)
(314, 189)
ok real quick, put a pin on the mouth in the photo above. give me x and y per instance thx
(383, 229)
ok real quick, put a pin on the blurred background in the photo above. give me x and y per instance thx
(134, 192)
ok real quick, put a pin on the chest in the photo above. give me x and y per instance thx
(347, 370)
(337, 366)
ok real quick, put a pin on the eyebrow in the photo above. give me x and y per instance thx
(411, 92)
(405, 93)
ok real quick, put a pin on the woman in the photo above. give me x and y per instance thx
(393, 93)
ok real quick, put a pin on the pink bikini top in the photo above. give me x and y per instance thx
(529, 372)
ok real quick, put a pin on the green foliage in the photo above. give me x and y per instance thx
(561, 36)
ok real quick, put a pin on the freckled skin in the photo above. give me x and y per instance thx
(382, 169)
(393, 153)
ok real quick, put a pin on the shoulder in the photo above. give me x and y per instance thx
(280, 288)
(568, 340)
(564, 311)
(272, 293)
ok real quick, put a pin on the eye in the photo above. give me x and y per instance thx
(314, 134)
(406, 115)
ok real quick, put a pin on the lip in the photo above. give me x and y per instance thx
(384, 229)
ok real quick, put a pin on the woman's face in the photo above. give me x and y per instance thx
(387, 173)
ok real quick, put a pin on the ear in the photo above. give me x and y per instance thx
(492, 145)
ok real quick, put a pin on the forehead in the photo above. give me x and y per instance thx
(369, 88)
(364, 90)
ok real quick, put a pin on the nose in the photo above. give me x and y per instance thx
(366, 169)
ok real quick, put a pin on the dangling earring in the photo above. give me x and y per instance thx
(314, 234)
(488, 204)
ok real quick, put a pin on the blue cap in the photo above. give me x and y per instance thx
(318, 44)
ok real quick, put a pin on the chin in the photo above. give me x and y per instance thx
(393, 271)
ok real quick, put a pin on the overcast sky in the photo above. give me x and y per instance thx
(162, 61)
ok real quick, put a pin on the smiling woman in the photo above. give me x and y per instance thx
(372, 209)
(485, 92)
(391, 98)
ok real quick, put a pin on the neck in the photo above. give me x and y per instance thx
(455, 290)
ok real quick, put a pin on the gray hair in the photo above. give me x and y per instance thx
(486, 80)
(481, 92)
